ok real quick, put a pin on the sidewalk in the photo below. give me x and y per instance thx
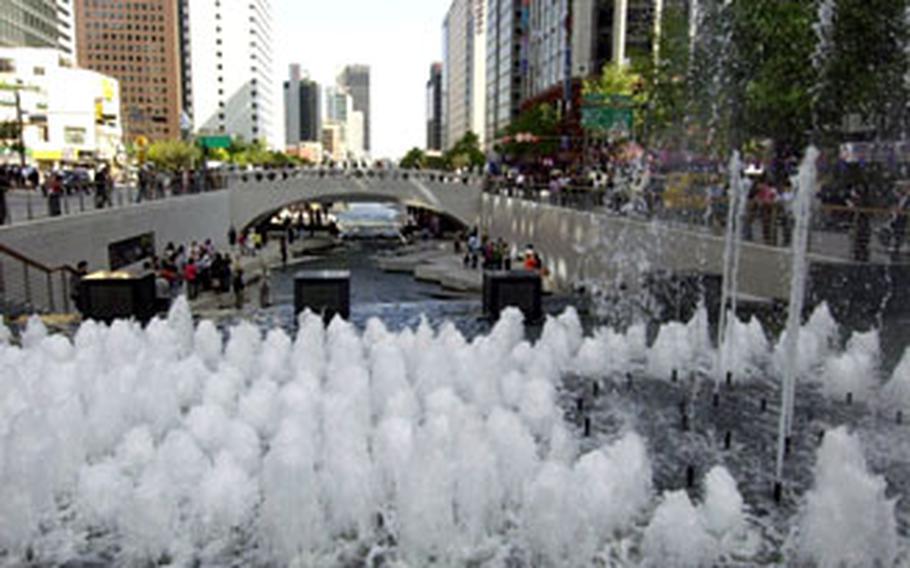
(268, 258)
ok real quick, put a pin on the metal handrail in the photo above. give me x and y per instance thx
(30, 298)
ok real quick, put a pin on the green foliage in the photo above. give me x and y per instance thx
(617, 80)
(665, 82)
(253, 153)
(624, 81)
(414, 159)
(864, 67)
(173, 154)
(466, 153)
(9, 137)
(437, 163)
(772, 50)
(541, 121)
(9, 131)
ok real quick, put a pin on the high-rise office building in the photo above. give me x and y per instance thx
(598, 32)
(138, 44)
(434, 108)
(338, 104)
(186, 63)
(356, 80)
(302, 110)
(349, 125)
(547, 34)
(464, 38)
(32, 23)
(504, 64)
(231, 60)
(66, 28)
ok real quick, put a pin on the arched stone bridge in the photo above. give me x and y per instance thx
(249, 196)
(255, 195)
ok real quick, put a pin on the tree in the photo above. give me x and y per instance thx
(173, 154)
(616, 79)
(466, 153)
(542, 123)
(9, 136)
(665, 80)
(773, 43)
(244, 153)
(621, 81)
(863, 64)
(414, 159)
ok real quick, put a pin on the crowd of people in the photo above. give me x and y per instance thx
(481, 251)
(197, 268)
(637, 183)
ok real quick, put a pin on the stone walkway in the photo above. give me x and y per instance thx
(435, 261)
(269, 258)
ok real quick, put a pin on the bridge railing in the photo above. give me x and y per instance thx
(863, 234)
(28, 286)
(21, 205)
(361, 174)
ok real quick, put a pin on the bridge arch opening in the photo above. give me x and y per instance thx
(317, 215)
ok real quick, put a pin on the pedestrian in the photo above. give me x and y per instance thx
(899, 221)
(767, 201)
(162, 292)
(232, 236)
(241, 243)
(55, 193)
(284, 251)
(238, 285)
(102, 180)
(264, 289)
(530, 258)
(190, 275)
(4, 186)
(76, 286)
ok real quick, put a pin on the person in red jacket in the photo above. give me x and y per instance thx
(191, 275)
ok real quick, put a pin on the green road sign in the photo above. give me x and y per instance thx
(604, 100)
(212, 142)
(607, 119)
(604, 113)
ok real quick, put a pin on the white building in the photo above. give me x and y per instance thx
(232, 80)
(464, 71)
(355, 135)
(70, 114)
(332, 146)
(66, 17)
(350, 124)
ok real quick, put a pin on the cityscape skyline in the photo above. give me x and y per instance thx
(398, 39)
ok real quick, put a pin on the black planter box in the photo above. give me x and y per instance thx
(107, 296)
(517, 288)
(326, 292)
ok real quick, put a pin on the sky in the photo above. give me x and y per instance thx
(399, 39)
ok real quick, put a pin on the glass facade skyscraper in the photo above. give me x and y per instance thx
(504, 64)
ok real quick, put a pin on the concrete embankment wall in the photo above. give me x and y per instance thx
(67, 240)
(578, 245)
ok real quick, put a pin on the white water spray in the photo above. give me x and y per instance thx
(736, 210)
(802, 211)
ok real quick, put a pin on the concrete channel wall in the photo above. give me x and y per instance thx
(578, 245)
(67, 240)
